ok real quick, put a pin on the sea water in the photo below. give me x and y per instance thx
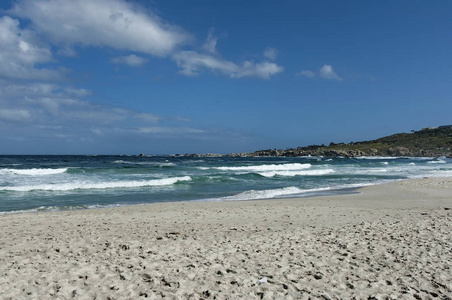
(47, 183)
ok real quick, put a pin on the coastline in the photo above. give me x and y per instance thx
(387, 240)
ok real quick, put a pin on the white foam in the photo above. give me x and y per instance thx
(297, 173)
(283, 192)
(100, 185)
(263, 168)
(150, 163)
(441, 160)
(268, 194)
(376, 157)
(63, 208)
(33, 172)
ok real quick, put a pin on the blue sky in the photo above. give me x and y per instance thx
(166, 77)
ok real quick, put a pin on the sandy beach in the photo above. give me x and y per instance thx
(390, 241)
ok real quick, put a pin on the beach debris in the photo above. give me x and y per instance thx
(263, 280)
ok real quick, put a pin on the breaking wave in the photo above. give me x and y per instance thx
(263, 168)
(33, 172)
(297, 173)
(100, 185)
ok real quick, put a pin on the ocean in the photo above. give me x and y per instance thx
(56, 182)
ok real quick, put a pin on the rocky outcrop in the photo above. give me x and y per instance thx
(399, 151)
(428, 142)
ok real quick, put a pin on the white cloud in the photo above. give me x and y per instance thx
(51, 104)
(121, 25)
(325, 72)
(14, 114)
(211, 43)
(36, 89)
(21, 51)
(271, 53)
(150, 130)
(308, 73)
(96, 131)
(192, 62)
(113, 23)
(262, 70)
(130, 60)
(77, 92)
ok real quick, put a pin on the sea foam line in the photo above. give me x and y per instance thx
(33, 172)
(285, 192)
(150, 163)
(297, 173)
(262, 168)
(62, 208)
(101, 185)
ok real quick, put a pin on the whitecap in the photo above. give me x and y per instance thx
(297, 173)
(376, 157)
(150, 163)
(263, 168)
(33, 172)
(101, 185)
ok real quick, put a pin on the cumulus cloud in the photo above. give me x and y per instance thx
(130, 60)
(271, 53)
(117, 24)
(113, 23)
(193, 62)
(21, 51)
(325, 72)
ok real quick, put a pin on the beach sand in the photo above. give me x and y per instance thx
(391, 241)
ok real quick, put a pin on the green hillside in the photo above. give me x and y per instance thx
(431, 142)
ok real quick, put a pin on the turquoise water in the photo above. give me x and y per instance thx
(40, 183)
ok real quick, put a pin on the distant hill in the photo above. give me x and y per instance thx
(431, 142)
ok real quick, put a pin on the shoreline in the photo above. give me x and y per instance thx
(387, 240)
(308, 194)
(314, 194)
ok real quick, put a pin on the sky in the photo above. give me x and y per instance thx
(210, 76)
